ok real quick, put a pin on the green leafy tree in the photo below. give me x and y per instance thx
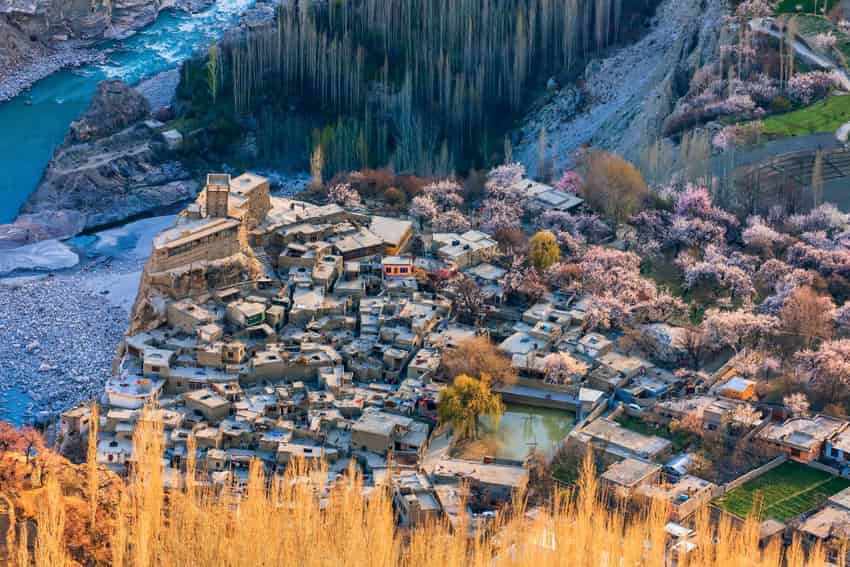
(465, 401)
(544, 250)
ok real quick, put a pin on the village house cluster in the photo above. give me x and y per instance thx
(326, 351)
(329, 349)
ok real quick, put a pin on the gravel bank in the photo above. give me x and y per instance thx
(58, 337)
(23, 78)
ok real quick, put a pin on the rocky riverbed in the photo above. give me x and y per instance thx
(59, 331)
(58, 335)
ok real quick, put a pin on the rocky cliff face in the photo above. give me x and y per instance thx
(46, 20)
(113, 165)
(37, 36)
(626, 95)
(115, 107)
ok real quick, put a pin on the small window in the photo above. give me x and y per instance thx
(403, 270)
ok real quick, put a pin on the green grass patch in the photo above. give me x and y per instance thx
(786, 492)
(665, 273)
(823, 116)
(566, 473)
(806, 6)
(809, 25)
(681, 440)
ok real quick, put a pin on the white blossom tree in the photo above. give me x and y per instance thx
(561, 367)
(797, 403)
(344, 194)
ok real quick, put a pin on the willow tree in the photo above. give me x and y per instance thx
(465, 401)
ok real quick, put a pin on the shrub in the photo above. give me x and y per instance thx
(806, 88)
(613, 186)
(781, 104)
(395, 198)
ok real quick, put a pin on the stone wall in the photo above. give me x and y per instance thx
(220, 244)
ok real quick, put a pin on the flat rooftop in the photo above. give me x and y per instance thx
(192, 230)
(630, 472)
(488, 473)
(803, 432)
(613, 433)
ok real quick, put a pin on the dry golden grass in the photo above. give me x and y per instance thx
(282, 523)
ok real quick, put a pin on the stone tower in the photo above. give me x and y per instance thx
(218, 192)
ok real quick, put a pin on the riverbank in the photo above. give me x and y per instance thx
(59, 331)
(45, 112)
(67, 57)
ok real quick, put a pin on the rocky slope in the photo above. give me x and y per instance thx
(627, 94)
(113, 165)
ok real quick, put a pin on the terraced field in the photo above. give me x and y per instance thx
(785, 492)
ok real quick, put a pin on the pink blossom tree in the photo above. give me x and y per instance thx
(560, 367)
(771, 272)
(715, 272)
(826, 217)
(570, 182)
(523, 280)
(501, 181)
(586, 226)
(423, 208)
(828, 367)
(498, 214)
(695, 202)
(736, 329)
(841, 316)
(805, 88)
(446, 194)
(761, 237)
(749, 9)
(797, 403)
(344, 194)
(564, 276)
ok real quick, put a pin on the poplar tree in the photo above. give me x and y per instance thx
(817, 179)
(414, 74)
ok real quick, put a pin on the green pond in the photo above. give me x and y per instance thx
(521, 429)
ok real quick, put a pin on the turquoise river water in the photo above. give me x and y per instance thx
(34, 123)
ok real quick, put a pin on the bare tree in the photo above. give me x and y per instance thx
(468, 299)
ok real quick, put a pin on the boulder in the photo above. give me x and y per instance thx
(114, 107)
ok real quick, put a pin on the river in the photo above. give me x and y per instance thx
(35, 122)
